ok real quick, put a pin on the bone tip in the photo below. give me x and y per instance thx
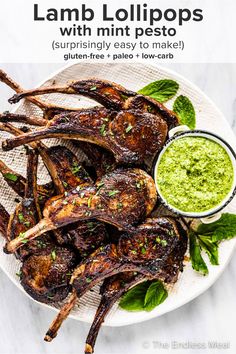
(49, 336)
(7, 248)
(14, 99)
(6, 146)
(88, 349)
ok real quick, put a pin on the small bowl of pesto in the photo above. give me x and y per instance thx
(195, 174)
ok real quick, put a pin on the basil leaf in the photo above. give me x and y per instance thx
(155, 295)
(222, 229)
(195, 254)
(133, 300)
(161, 90)
(210, 247)
(10, 176)
(185, 111)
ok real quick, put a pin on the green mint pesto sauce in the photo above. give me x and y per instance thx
(194, 174)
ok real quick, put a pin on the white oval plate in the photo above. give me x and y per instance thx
(134, 77)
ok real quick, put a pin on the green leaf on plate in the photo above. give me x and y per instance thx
(198, 262)
(161, 90)
(144, 297)
(134, 299)
(210, 247)
(155, 295)
(222, 229)
(185, 111)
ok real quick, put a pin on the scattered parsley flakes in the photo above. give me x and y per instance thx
(53, 255)
(10, 177)
(103, 130)
(90, 201)
(93, 88)
(21, 218)
(111, 193)
(130, 127)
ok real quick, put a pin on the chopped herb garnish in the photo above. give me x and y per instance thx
(164, 243)
(22, 234)
(18, 274)
(130, 127)
(93, 88)
(75, 168)
(27, 223)
(21, 217)
(88, 280)
(41, 244)
(103, 130)
(111, 193)
(149, 109)
(10, 176)
(143, 250)
(65, 184)
(89, 202)
(24, 241)
(53, 255)
(124, 97)
(119, 205)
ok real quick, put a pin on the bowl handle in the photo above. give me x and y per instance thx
(178, 129)
(211, 218)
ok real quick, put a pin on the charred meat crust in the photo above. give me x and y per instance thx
(45, 275)
(130, 135)
(121, 198)
(27, 213)
(111, 259)
(115, 286)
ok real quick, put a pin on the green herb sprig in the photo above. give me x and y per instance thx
(144, 297)
(207, 237)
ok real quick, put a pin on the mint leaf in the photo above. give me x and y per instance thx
(144, 297)
(133, 300)
(210, 247)
(155, 295)
(185, 111)
(161, 90)
(222, 229)
(195, 254)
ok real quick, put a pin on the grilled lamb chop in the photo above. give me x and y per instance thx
(121, 198)
(110, 95)
(45, 274)
(144, 250)
(27, 213)
(131, 136)
(114, 287)
(67, 173)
